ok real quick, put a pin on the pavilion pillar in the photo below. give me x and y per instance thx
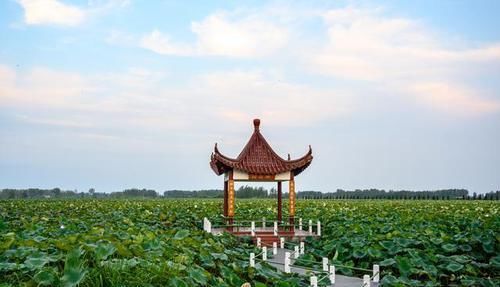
(230, 200)
(280, 217)
(225, 199)
(291, 200)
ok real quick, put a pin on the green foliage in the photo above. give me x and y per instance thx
(415, 242)
(160, 243)
(121, 243)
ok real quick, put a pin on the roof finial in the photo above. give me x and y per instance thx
(256, 124)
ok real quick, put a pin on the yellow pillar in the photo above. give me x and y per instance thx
(291, 198)
(230, 189)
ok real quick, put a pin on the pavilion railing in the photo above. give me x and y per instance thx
(254, 226)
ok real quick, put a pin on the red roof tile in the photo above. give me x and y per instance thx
(257, 157)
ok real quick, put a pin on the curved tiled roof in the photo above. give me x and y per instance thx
(257, 157)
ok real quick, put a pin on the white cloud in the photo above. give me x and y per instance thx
(55, 12)
(39, 86)
(454, 99)
(142, 101)
(222, 34)
(396, 55)
(161, 44)
(252, 36)
(38, 12)
(406, 56)
(365, 45)
(243, 95)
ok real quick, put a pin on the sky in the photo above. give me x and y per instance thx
(115, 94)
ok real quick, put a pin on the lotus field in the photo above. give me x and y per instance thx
(161, 242)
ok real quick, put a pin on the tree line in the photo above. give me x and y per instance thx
(252, 192)
(442, 194)
(38, 193)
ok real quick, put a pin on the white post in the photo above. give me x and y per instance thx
(300, 223)
(258, 242)
(253, 228)
(314, 281)
(275, 228)
(302, 249)
(296, 252)
(287, 262)
(275, 248)
(332, 274)
(264, 253)
(310, 226)
(366, 281)
(319, 228)
(252, 259)
(263, 222)
(207, 225)
(376, 273)
(282, 242)
(325, 264)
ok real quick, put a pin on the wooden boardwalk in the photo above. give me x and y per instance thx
(340, 280)
(266, 236)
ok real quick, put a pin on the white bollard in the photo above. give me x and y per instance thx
(275, 228)
(302, 249)
(253, 228)
(332, 274)
(275, 248)
(310, 226)
(263, 222)
(296, 252)
(376, 273)
(258, 242)
(366, 281)
(314, 281)
(252, 259)
(207, 225)
(300, 223)
(325, 264)
(282, 242)
(264, 253)
(319, 228)
(287, 262)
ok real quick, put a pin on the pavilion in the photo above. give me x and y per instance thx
(258, 162)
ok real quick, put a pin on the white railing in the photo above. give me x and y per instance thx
(327, 270)
(252, 229)
(299, 249)
(207, 225)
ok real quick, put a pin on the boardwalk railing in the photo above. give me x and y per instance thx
(251, 226)
(327, 270)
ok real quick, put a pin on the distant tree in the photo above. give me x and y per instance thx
(57, 192)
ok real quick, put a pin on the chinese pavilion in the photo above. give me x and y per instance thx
(258, 162)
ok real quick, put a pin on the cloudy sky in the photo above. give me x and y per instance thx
(115, 94)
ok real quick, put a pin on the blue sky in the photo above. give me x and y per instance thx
(113, 94)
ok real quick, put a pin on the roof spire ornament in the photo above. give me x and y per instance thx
(256, 124)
